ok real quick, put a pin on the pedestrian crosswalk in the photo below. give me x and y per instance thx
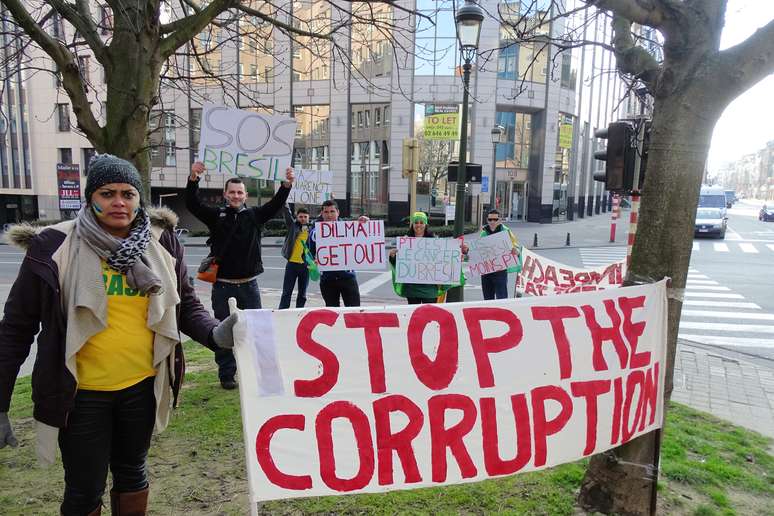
(713, 314)
(732, 247)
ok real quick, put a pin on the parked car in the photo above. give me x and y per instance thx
(766, 214)
(710, 222)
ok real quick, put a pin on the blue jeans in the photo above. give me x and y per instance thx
(247, 296)
(294, 271)
(495, 285)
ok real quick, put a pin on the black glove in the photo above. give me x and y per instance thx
(223, 333)
(6, 432)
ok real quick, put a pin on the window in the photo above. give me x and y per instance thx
(376, 150)
(57, 77)
(360, 119)
(353, 119)
(57, 27)
(162, 138)
(87, 154)
(105, 20)
(63, 117)
(368, 118)
(83, 67)
(435, 47)
(377, 117)
(65, 155)
(386, 115)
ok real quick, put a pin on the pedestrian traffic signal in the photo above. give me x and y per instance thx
(618, 156)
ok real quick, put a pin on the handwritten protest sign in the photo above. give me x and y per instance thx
(350, 245)
(311, 186)
(540, 276)
(342, 400)
(246, 143)
(491, 253)
(429, 261)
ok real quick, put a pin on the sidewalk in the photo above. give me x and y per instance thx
(730, 385)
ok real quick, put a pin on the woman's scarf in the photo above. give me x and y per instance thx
(124, 255)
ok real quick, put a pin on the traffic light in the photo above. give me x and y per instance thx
(618, 156)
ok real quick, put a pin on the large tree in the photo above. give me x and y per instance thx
(149, 45)
(691, 86)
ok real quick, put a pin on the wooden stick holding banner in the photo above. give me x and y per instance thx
(372, 399)
(245, 143)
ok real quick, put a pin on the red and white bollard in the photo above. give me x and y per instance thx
(615, 214)
(632, 226)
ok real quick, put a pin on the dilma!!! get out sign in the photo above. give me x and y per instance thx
(378, 398)
(245, 143)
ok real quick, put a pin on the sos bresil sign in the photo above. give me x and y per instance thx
(246, 143)
(442, 122)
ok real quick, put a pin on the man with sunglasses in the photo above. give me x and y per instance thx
(495, 284)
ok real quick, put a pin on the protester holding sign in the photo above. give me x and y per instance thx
(420, 293)
(495, 284)
(235, 239)
(110, 290)
(340, 285)
(293, 252)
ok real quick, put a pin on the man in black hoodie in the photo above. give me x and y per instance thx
(235, 238)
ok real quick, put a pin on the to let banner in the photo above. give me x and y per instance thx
(371, 399)
(442, 122)
(429, 261)
(350, 245)
(311, 186)
(540, 276)
(246, 143)
(491, 253)
(68, 179)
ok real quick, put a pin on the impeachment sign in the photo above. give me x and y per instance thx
(350, 245)
(311, 186)
(429, 261)
(540, 276)
(372, 399)
(245, 143)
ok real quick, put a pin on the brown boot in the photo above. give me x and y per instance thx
(129, 504)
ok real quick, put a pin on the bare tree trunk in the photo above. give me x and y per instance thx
(621, 481)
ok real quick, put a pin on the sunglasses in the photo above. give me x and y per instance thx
(492, 220)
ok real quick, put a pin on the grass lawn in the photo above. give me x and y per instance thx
(197, 467)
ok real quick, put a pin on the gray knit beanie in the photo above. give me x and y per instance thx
(106, 168)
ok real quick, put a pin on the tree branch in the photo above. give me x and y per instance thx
(748, 62)
(65, 62)
(651, 13)
(190, 26)
(83, 23)
(630, 58)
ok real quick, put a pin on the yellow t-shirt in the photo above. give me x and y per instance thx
(121, 355)
(298, 249)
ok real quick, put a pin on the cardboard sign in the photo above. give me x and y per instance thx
(372, 399)
(311, 186)
(491, 253)
(69, 186)
(245, 143)
(540, 276)
(428, 261)
(350, 245)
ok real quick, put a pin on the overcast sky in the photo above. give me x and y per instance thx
(748, 122)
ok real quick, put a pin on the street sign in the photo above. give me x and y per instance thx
(449, 213)
(485, 184)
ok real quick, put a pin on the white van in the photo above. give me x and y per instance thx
(713, 197)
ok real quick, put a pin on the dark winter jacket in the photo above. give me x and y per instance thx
(242, 257)
(35, 307)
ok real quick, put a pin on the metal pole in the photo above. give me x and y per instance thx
(494, 177)
(455, 294)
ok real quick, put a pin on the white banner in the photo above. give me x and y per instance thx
(350, 245)
(540, 276)
(246, 143)
(372, 399)
(311, 187)
(429, 261)
(491, 253)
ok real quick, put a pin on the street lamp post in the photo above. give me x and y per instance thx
(468, 21)
(498, 133)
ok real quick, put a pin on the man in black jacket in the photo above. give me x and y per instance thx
(235, 238)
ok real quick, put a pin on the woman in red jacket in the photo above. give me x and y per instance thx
(110, 293)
